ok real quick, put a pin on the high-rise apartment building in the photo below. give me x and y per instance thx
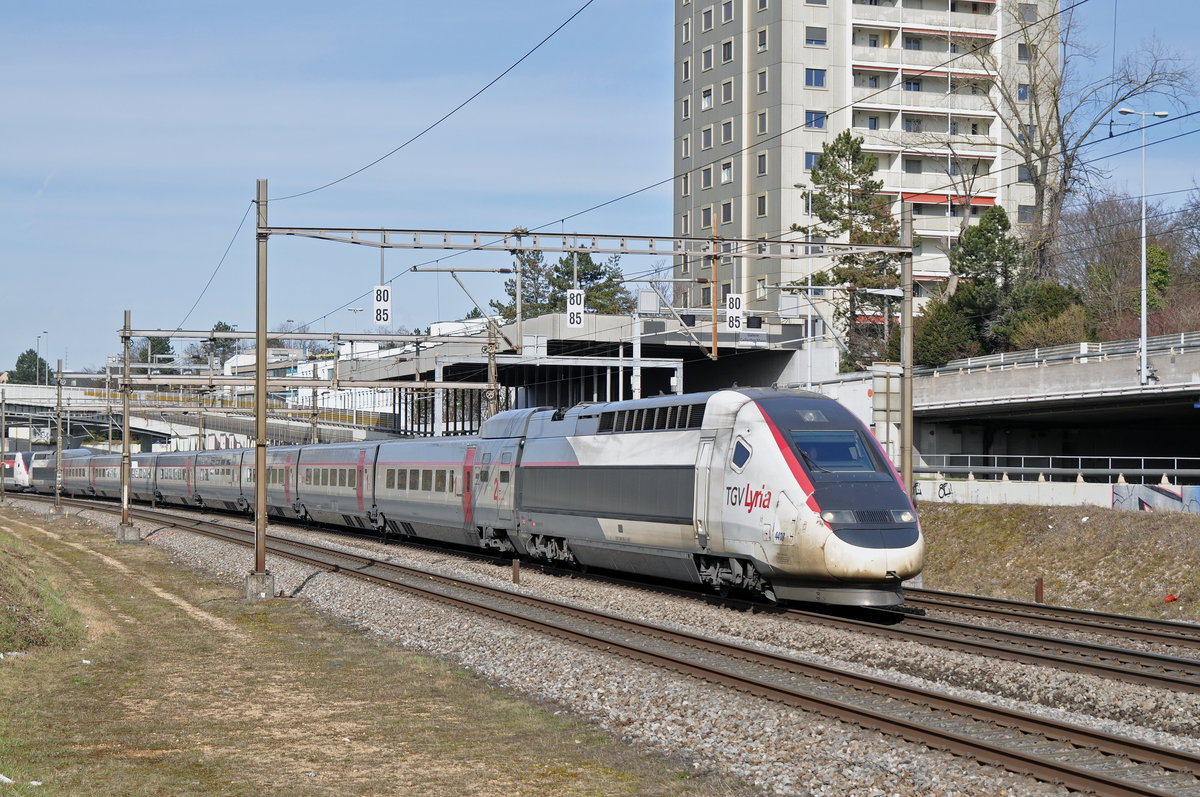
(931, 86)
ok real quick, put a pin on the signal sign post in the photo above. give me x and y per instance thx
(734, 308)
(383, 305)
(575, 308)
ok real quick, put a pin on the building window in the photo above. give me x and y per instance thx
(1025, 214)
(762, 5)
(872, 81)
(727, 91)
(814, 120)
(762, 39)
(706, 19)
(726, 51)
(810, 160)
(727, 172)
(706, 177)
(912, 85)
(912, 43)
(1027, 133)
(685, 147)
(706, 59)
(1026, 52)
(726, 212)
(706, 217)
(761, 201)
(727, 248)
(685, 228)
(1028, 12)
(1024, 92)
(760, 288)
(727, 11)
(706, 98)
(762, 123)
(816, 2)
(727, 131)
(687, 108)
(912, 125)
(706, 138)
(726, 289)
(872, 122)
(912, 165)
(814, 78)
(762, 81)
(705, 297)
(685, 184)
(873, 40)
(687, 70)
(762, 163)
(685, 32)
(814, 37)
(1024, 174)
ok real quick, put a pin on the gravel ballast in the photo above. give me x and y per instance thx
(777, 749)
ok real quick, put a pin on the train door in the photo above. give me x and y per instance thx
(703, 486)
(468, 489)
(503, 475)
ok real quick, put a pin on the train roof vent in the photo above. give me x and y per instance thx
(606, 422)
(696, 416)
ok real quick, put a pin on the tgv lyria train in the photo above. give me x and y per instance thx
(785, 494)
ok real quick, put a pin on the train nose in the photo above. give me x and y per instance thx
(874, 553)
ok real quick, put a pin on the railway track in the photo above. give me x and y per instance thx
(1053, 751)
(1169, 633)
(1107, 661)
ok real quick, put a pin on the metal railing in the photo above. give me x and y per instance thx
(1108, 470)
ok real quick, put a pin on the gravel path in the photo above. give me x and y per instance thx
(777, 749)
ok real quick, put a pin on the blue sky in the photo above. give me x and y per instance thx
(133, 133)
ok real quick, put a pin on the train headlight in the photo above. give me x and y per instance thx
(838, 516)
(903, 516)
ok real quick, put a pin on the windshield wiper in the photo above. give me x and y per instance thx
(809, 461)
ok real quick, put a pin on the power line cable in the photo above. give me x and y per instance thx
(447, 115)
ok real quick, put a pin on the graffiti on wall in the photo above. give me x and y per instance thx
(1156, 498)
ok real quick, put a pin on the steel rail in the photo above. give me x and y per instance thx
(1146, 629)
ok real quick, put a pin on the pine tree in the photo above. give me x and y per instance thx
(850, 208)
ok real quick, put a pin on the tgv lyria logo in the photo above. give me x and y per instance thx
(749, 497)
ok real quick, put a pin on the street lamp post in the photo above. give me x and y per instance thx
(1143, 373)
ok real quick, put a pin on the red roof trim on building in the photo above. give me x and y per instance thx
(945, 199)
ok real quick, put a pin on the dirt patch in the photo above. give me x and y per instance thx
(270, 698)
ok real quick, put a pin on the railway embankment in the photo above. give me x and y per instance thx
(1143, 563)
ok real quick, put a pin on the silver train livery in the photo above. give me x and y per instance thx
(785, 494)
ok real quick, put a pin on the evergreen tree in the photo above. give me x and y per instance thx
(850, 208)
(27, 368)
(942, 334)
(535, 287)
(601, 282)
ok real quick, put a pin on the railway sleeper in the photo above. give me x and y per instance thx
(545, 548)
(723, 574)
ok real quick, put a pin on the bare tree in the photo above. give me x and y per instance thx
(1049, 109)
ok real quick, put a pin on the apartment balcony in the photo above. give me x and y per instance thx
(928, 140)
(934, 183)
(932, 62)
(864, 15)
(935, 101)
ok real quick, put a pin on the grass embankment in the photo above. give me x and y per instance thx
(1088, 557)
(177, 686)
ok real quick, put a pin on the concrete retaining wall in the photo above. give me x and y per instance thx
(1138, 497)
